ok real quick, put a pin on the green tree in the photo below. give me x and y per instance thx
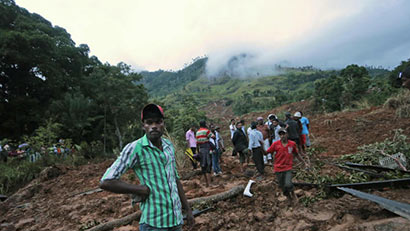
(355, 83)
(327, 93)
(120, 98)
(38, 64)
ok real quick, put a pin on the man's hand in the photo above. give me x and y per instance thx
(146, 192)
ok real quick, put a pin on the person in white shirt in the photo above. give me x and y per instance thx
(232, 128)
(256, 143)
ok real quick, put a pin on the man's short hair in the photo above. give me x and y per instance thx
(202, 123)
(254, 124)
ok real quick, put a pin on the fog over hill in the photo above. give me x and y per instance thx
(378, 36)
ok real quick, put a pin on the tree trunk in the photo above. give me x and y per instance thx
(118, 132)
(201, 200)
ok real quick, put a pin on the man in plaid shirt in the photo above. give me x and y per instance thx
(152, 158)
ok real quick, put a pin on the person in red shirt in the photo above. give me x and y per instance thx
(284, 151)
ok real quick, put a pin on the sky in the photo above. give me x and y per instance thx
(164, 34)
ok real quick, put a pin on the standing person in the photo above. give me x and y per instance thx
(203, 147)
(274, 128)
(284, 150)
(216, 152)
(219, 141)
(243, 128)
(301, 149)
(232, 128)
(191, 144)
(255, 146)
(264, 129)
(240, 143)
(152, 158)
(292, 128)
(305, 131)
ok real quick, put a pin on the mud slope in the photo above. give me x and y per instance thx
(53, 202)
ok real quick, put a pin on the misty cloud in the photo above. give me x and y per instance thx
(378, 36)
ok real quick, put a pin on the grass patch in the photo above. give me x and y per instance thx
(18, 172)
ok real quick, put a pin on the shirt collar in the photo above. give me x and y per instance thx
(147, 142)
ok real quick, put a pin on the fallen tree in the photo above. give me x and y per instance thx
(192, 202)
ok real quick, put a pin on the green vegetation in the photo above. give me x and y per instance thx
(367, 154)
(352, 88)
(370, 154)
(45, 78)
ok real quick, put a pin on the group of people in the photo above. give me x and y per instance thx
(160, 194)
(273, 141)
(205, 145)
(26, 151)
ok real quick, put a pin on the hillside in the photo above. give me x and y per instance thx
(52, 202)
(245, 93)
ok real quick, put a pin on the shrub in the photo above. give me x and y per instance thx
(401, 103)
(370, 154)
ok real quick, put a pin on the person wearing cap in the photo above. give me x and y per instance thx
(284, 150)
(301, 144)
(152, 158)
(204, 147)
(305, 131)
(255, 147)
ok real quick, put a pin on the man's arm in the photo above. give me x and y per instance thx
(118, 186)
(296, 154)
(185, 205)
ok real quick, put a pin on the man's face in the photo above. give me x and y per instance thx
(238, 125)
(275, 123)
(153, 127)
(283, 136)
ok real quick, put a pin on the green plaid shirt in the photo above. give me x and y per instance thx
(157, 170)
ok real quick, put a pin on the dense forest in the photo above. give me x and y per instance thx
(48, 82)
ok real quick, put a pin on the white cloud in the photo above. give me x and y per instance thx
(166, 34)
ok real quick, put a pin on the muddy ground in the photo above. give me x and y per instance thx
(53, 201)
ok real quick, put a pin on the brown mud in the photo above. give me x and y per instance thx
(53, 202)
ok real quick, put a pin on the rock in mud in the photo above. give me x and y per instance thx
(7, 227)
(259, 216)
(49, 173)
(320, 216)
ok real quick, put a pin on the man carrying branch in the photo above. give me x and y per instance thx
(152, 158)
(284, 150)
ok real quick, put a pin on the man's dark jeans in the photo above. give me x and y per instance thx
(257, 157)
